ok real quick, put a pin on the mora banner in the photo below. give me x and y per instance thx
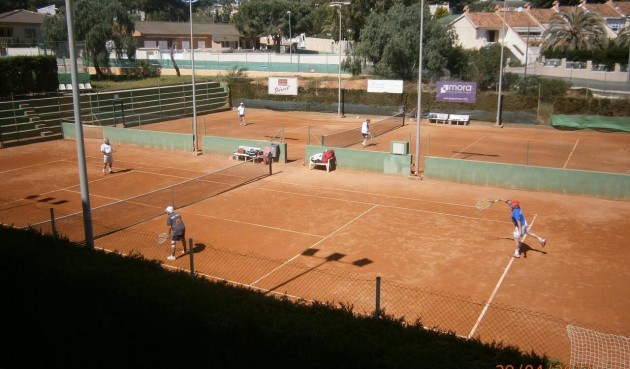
(451, 91)
(283, 86)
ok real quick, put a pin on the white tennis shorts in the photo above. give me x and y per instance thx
(517, 234)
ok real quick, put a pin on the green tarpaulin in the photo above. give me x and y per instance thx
(591, 121)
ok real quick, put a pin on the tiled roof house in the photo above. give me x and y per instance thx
(206, 36)
(615, 20)
(21, 27)
(524, 26)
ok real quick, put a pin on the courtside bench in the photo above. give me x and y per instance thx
(438, 118)
(248, 153)
(312, 164)
(316, 160)
(459, 119)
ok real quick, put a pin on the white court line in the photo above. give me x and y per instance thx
(362, 193)
(32, 166)
(479, 139)
(203, 215)
(252, 224)
(105, 177)
(390, 206)
(496, 288)
(315, 244)
(295, 129)
(571, 154)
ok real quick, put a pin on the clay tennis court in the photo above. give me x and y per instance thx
(416, 233)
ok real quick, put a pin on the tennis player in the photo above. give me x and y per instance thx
(241, 113)
(521, 228)
(108, 155)
(176, 229)
(365, 130)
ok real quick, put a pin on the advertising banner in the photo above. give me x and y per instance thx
(385, 85)
(452, 91)
(283, 86)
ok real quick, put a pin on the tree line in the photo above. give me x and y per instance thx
(386, 33)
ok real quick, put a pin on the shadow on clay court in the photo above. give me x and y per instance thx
(525, 248)
(199, 247)
(334, 257)
(122, 171)
(466, 154)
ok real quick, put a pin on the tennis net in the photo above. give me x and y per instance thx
(353, 136)
(125, 213)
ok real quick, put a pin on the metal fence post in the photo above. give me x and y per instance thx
(377, 310)
(52, 224)
(191, 251)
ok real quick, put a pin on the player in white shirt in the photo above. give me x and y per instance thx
(108, 156)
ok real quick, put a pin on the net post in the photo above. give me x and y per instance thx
(191, 251)
(527, 154)
(322, 141)
(270, 160)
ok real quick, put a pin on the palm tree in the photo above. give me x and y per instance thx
(623, 38)
(575, 30)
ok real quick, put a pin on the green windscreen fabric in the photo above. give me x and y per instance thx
(591, 121)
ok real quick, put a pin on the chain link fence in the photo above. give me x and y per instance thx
(364, 294)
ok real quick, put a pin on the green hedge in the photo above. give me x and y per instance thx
(21, 75)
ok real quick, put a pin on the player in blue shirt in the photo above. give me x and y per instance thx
(521, 228)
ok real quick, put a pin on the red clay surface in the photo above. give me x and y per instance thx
(416, 233)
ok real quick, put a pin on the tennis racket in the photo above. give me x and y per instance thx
(162, 237)
(484, 204)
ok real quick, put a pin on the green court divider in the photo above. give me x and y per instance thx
(227, 145)
(614, 186)
(150, 139)
(372, 161)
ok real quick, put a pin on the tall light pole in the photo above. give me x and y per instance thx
(290, 42)
(338, 4)
(499, 103)
(419, 107)
(192, 61)
(78, 126)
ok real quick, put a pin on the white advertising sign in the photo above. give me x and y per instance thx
(283, 86)
(385, 85)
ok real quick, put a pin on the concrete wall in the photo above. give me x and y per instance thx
(578, 182)
(372, 161)
(150, 139)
